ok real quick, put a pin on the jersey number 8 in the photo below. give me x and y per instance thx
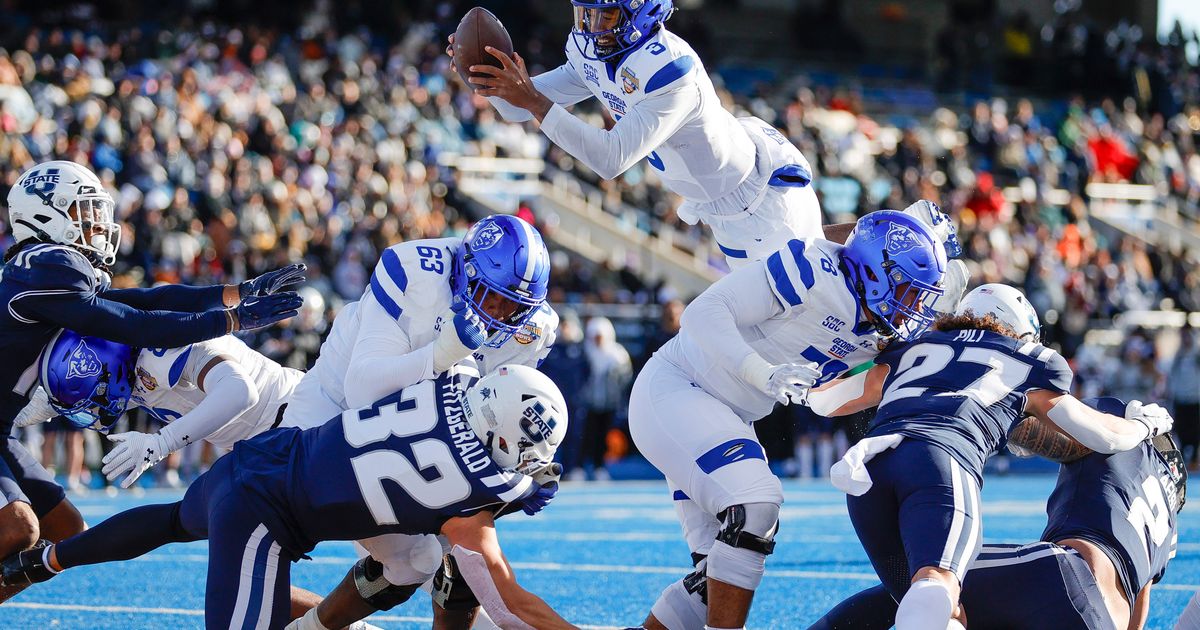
(368, 426)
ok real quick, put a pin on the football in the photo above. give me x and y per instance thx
(477, 30)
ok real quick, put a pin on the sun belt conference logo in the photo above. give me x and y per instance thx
(83, 362)
(486, 237)
(900, 239)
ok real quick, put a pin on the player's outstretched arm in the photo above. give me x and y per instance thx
(852, 394)
(476, 550)
(190, 299)
(1099, 431)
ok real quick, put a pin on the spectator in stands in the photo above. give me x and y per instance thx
(1183, 389)
(569, 367)
(668, 327)
(607, 392)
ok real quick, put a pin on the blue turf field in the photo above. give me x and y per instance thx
(599, 554)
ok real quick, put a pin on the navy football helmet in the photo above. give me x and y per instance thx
(88, 380)
(607, 28)
(502, 271)
(896, 264)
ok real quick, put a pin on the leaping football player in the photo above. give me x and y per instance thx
(946, 403)
(54, 278)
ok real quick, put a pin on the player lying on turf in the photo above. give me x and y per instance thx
(432, 304)
(1110, 533)
(368, 472)
(764, 334)
(946, 402)
(62, 220)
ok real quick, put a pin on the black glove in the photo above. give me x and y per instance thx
(257, 312)
(271, 282)
(26, 567)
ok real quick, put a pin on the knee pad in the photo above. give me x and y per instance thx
(450, 589)
(375, 590)
(746, 538)
(684, 604)
(927, 604)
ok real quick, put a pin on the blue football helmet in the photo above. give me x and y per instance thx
(502, 270)
(896, 265)
(607, 28)
(88, 380)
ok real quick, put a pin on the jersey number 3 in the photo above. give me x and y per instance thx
(402, 419)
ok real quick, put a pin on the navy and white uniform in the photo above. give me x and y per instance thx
(953, 396)
(739, 175)
(45, 287)
(1123, 503)
(405, 465)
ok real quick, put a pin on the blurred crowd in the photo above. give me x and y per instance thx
(231, 150)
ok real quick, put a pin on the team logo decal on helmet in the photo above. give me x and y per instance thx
(41, 183)
(535, 426)
(83, 363)
(901, 239)
(487, 237)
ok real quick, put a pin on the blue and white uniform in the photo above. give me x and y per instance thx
(400, 314)
(275, 496)
(690, 411)
(952, 397)
(45, 287)
(740, 176)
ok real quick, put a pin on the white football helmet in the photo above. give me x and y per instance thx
(64, 202)
(520, 415)
(1007, 304)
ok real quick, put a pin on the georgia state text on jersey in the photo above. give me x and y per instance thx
(165, 379)
(817, 318)
(1125, 504)
(404, 465)
(412, 286)
(963, 390)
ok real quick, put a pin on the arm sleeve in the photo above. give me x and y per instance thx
(171, 297)
(1101, 432)
(561, 85)
(96, 316)
(644, 128)
(229, 392)
(742, 298)
(383, 359)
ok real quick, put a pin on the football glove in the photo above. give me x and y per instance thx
(27, 567)
(1156, 419)
(272, 282)
(787, 382)
(460, 335)
(540, 498)
(37, 411)
(134, 453)
(260, 311)
(943, 227)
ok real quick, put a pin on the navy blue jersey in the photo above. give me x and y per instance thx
(45, 287)
(404, 465)
(964, 389)
(1123, 503)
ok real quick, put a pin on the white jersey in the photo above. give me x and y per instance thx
(400, 314)
(668, 112)
(165, 385)
(796, 305)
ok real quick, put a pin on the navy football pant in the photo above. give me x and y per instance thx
(23, 479)
(922, 511)
(1040, 586)
(249, 575)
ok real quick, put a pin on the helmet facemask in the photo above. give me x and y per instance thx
(93, 228)
(604, 29)
(903, 311)
(98, 410)
(504, 311)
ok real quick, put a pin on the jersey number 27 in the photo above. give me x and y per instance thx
(403, 419)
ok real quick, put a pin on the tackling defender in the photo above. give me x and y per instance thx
(946, 402)
(275, 496)
(691, 409)
(1111, 530)
(62, 220)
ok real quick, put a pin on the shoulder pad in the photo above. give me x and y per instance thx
(790, 272)
(411, 274)
(162, 367)
(50, 266)
(662, 63)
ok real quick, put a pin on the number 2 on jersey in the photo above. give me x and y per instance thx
(1004, 373)
(368, 426)
(1149, 514)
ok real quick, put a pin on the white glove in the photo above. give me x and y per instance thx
(939, 222)
(786, 382)
(134, 453)
(461, 334)
(954, 285)
(1156, 419)
(37, 411)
